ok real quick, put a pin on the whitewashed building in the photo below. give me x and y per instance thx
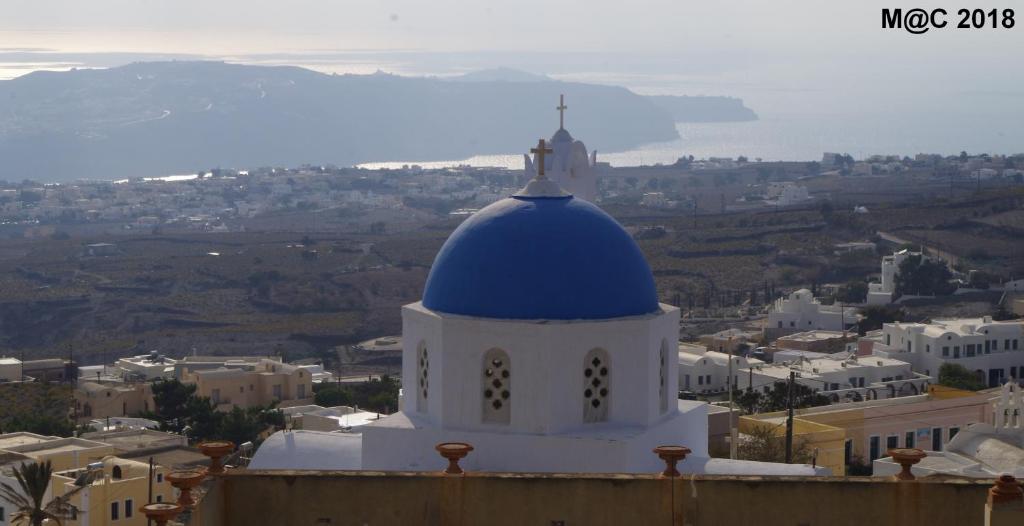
(993, 350)
(882, 293)
(707, 372)
(786, 194)
(843, 377)
(800, 311)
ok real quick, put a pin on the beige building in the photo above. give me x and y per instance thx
(118, 489)
(267, 382)
(729, 340)
(819, 341)
(860, 432)
(101, 400)
(64, 453)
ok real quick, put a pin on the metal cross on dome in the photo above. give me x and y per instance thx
(561, 111)
(541, 150)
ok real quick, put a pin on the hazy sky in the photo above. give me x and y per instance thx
(750, 48)
(801, 27)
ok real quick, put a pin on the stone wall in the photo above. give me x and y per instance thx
(376, 498)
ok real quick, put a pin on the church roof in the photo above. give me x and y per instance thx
(541, 257)
(562, 135)
(303, 449)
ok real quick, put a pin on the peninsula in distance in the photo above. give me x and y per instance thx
(161, 118)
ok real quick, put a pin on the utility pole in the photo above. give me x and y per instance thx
(789, 419)
(148, 521)
(732, 427)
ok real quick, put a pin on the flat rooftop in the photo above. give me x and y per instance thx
(10, 440)
(136, 439)
(817, 335)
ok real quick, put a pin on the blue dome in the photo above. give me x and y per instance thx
(555, 258)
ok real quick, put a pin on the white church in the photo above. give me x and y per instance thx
(569, 165)
(540, 341)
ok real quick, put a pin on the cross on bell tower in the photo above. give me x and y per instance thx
(541, 150)
(561, 111)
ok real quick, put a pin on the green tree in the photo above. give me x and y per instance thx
(178, 408)
(958, 376)
(380, 395)
(33, 481)
(40, 424)
(924, 277)
(244, 425)
(873, 316)
(755, 401)
(174, 404)
(855, 291)
(331, 396)
(767, 443)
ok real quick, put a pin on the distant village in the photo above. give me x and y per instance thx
(219, 200)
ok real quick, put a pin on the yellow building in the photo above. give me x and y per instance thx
(859, 432)
(266, 382)
(63, 453)
(116, 489)
(98, 400)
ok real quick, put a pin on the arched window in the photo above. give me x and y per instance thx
(422, 378)
(116, 473)
(496, 386)
(663, 376)
(596, 385)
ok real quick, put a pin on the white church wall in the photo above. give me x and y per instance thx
(401, 442)
(542, 401)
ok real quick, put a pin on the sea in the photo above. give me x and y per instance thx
(798, 120)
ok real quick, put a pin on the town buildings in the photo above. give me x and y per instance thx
(984, 449)
(268, 381)
(857, 433)
(115, 489)
(111, 467)
(707, 372)
(842, 377)
(993, 350)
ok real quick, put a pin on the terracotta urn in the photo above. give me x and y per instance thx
(671, 455)
(161, 512)
(216, 450)
(184, 481)
(906, 457)
(1006, 489)
(453, 451)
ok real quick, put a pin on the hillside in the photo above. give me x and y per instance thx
(704, 109)
(160, 118)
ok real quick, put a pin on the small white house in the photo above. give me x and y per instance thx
(800, 311)
(707, 372)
